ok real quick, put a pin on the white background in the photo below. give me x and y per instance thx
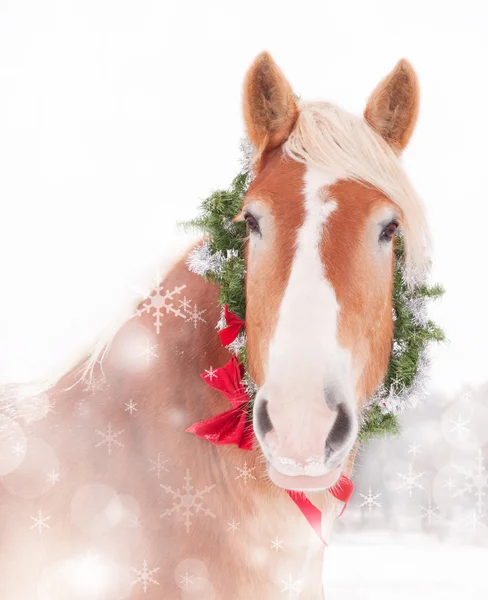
(116, 118)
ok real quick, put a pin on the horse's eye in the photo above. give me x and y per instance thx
(389, 231)
(251, 222)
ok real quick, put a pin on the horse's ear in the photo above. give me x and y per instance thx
(269, 105)
(393, 106)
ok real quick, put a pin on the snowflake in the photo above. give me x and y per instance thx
(410, 480)
(148, 351)
(233, 526)
(188, 502)
(370, 500)
(131, 407)
(40, 522)
(159, 301)
(459, 427)
(292, 587)
(245, 473)
(414, 449)
(185, 304)
(109, 438)
(186, 580)
(210, 374)
(430, 513)
(18, 449)
(145, 576)
(449, 483)
(53, 477)
(158, 465)
(277, 544)
(470, 522)
(475, 481)
(195, 316)
(94, 385)
(466, 395)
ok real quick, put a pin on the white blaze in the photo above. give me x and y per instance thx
(304, 355)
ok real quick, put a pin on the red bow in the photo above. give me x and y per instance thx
(233, 426)
(234, 325)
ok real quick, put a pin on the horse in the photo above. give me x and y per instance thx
(109, 497)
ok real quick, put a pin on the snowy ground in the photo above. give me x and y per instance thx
(382, 567)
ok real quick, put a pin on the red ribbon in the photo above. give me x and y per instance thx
(234, 325)
(234, 427)
(342, 490)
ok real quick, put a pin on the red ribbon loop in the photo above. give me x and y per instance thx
(234, 325)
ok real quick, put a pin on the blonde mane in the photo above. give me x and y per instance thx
(348, 148)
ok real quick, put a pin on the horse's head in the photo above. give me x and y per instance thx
(326, 201)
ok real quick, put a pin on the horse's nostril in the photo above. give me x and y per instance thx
(263, 423)
(340, 431)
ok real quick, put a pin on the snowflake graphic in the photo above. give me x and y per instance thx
(158, 465)
(430, 513)
(210, 374)
(149, 351)
(185, 304)
(131, 407)
(233, 526)
(292, 587)
(144, 576)
(475, 481)
(109, 438)
(53, 477)
(245, 473)
(187, 501)
(94, 385)
(159, 301)
(40, 522)
(459, 427)
(470, 522)
(449, 483)
(370, 500)
(186, 580)
(18, 449)
(414, 449)
(277, 544)
(195, 316)
(410, 480)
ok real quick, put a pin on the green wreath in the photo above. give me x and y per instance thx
(220, 259)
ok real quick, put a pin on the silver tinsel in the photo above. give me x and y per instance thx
(221, 324)
(249, 385)
(246, 160)
(418, 306)
(229, 225)
(238, 344)
(398, 348)
(398, 398)
(201, 260)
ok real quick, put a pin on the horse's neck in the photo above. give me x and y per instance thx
(230, 484)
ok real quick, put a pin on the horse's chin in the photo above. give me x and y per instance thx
(304, 483)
